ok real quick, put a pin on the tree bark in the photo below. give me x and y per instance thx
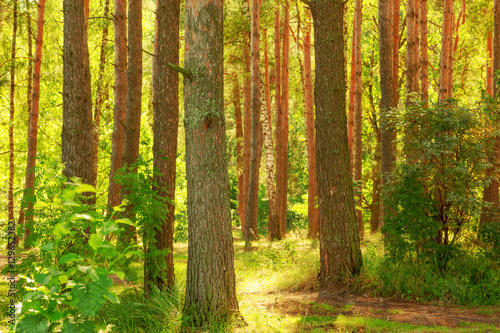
(340, 255)
(312, 183)
(120, 103)
(358, 111)
(424, 58)
(239, 143)
(77, 138)
(352, 87)
(11, 114)
(165, 128)
(489, 64)
(282, 129)
(446, 58)
(210, 282)
(247, 138)
(100, 94)
(412, 58)
(396, 8)
(387, 98)
(267, 132)
(33, 130)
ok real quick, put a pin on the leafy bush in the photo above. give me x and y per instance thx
(433, 195)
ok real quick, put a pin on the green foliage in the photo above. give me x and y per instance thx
(69, 283)
(432, 198)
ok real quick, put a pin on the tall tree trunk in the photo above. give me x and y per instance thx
(267, 132)
(77, 138)
(29, 89)
(282, 129)
(247, 138)
(210, 282)
(446, 58)
(489, 64)
(134, 94)
(340, 255)
(396, 8)
(100, 89)
(312, 182)
(11, 118)
(387, 98)
(412, 58)
(165, 125)
(424, 58)
(358, 111)
(239, 142)
(29, 198)
(120, 103)
(352, 87)
(491, 192)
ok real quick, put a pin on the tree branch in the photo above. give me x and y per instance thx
(183, 71)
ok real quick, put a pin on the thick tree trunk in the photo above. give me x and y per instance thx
(412, 58)
(210, 282)
(358, 111)
(119, 110)
(424, 58)
(282, 129)
(134, 94)
(77, 138)
(247, 138)
(100, 88)
(165, 127)
(446, 58)
(11, 113)
(387, 98)
(340, 255)
(33, 129)
(312, 183)
(267, 132)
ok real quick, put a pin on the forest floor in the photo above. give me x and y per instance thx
(278, 292)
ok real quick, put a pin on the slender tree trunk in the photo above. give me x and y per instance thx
(387, 98)
(29, 198)
(282, 129)
(489, 64)
(120, 103)
(396, 8)
(412, 58)
(265, 117)
(100, 89)
(491, 192)
(210, 282)
(352, 87)
(446, 59)
(11, 118)
(424, 58)
(29, 89)
(239, 142)
(247, 138)
(77, 138)
(340, 255)
(134, 93)
(159, 270)
(358, 111)
(312, 183)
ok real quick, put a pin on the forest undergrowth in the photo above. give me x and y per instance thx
(278, 292)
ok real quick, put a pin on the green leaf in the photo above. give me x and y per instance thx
(69, 257)
(88, 298)
(78, 327)
(85, 188)
(125, 221)
(60, 230)
(33, 323)
(82, 216)
(120, 274)
(95, 242)
(47, 247)
(63, 278)
(42, 279)
(54, 316)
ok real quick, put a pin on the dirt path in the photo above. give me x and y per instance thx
(340, 303)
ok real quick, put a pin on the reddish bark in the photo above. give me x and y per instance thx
(412, 54)
(395, 5)
(489, 65)
(120, 104)
(446, 58)
(358, 111)
(312, 183)
(424, 58)
(352, 87)
(247, 124)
